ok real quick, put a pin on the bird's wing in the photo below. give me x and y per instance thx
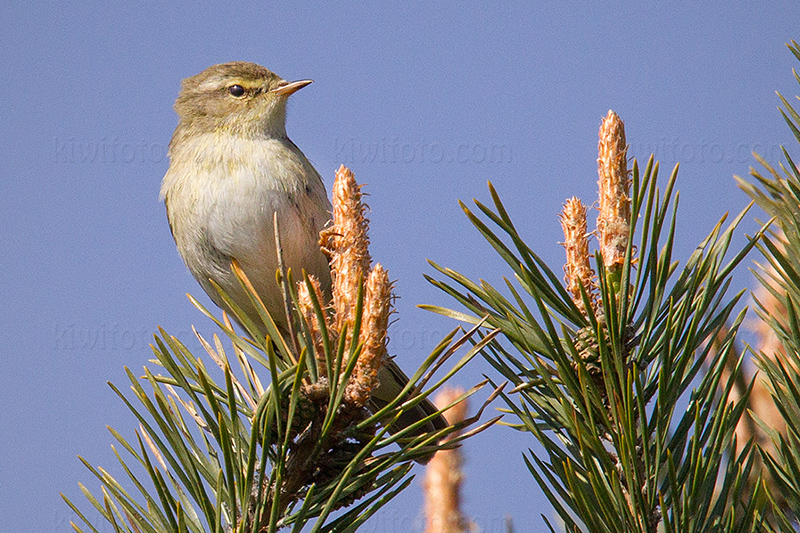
(310, 166)
(169, 221)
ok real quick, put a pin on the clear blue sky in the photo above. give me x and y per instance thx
(88, 265)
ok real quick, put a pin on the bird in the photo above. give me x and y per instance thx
(232, 166)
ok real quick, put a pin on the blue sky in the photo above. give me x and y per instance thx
(424, 101)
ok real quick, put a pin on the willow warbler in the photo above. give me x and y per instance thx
(231, 167)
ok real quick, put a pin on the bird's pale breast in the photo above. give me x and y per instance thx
(224, 210)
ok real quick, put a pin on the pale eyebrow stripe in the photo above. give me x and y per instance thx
(219, 83)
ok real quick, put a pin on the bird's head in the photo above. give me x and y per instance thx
(237, 97)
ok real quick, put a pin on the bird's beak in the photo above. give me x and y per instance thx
(290, 87)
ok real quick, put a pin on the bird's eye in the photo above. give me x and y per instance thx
(237, 91)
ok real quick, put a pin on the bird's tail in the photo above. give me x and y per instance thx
(392, 381)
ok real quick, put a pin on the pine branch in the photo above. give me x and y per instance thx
(777, 192)
(222, 452)
(600, 366)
